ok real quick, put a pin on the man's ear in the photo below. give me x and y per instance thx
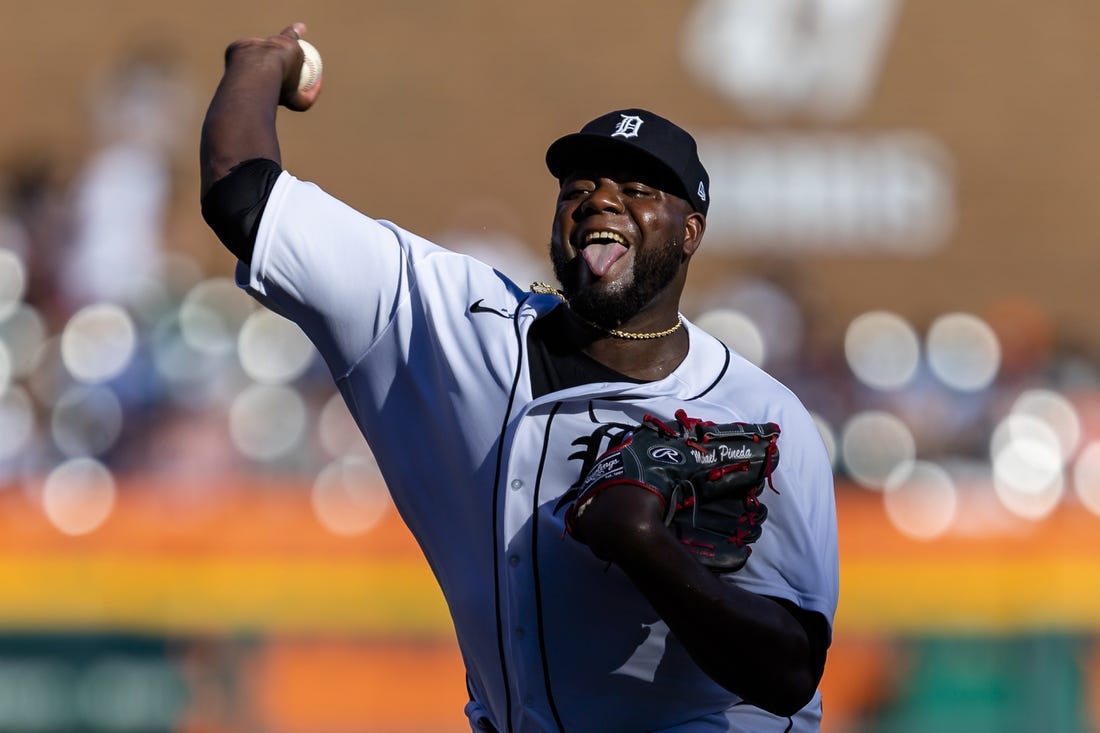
(694, 226)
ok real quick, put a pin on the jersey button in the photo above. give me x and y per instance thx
(520, 633)
(517, 484)
(513, 560)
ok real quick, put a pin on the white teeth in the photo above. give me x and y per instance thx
(612, 236)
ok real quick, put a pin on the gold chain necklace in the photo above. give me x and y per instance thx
(544, 289)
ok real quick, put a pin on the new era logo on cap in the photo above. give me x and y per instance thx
(634, 131)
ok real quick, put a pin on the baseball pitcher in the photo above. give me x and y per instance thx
(633, 526)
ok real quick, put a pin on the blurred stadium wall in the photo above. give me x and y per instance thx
(902, 230)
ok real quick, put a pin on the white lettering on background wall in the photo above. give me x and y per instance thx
(889, 192)
(777, 59)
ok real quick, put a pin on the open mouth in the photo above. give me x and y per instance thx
(601, 249)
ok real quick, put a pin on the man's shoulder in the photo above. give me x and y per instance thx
(725, 374)
(750, 392)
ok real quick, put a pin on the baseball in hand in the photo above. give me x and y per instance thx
(311, 66)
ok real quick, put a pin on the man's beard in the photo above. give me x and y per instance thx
(653, 270)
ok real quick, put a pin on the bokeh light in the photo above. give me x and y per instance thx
(98, 343)
(882, 349)
(735, 330)
(774, 312)
(1086, 477)
(349, 496)
(267, 421)
(7, 367)
(1016, 427)
(174, 357)
(963, 351)
(86, 421)
(211, 315)
(158, 292)
(873, 444)
(272, 349)
(78, 495)
(1054, 411)
(921, 499)
(23, 331)
(13, 282)
(48, 378)
(17, 421)
(1027, 467)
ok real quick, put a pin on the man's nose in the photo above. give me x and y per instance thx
(605, 197)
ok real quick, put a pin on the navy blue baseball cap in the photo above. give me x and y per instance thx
(635, 131)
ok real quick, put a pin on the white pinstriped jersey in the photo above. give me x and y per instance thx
(428, 348)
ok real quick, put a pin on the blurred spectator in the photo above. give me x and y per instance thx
(121, 199)
(35, 224)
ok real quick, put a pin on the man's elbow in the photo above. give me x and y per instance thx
(790, 701)
(787, 699)
(783, 695)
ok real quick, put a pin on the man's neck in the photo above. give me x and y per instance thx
(648, 359)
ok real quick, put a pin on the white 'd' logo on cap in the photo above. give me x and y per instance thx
(628, 126)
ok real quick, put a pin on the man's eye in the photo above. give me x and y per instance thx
(637, 191)
(574, 192)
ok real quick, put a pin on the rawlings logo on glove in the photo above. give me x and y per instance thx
(708, 475)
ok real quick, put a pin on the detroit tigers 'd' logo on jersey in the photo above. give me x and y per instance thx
(590, 448)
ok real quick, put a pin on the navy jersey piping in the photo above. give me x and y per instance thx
(496, 516)
(721, 373)
(535, 568)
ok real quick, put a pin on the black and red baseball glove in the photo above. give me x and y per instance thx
(709, 477)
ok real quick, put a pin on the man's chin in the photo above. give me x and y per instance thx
(603, 301)
(603, 306)
(590, 290)
(611, 302)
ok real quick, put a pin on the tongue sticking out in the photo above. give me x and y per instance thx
(600, 257)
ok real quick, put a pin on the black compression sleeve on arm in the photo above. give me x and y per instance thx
(234, 204)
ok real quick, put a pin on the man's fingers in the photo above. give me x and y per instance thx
(294, 31)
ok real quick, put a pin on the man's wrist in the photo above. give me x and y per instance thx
(257, 66)
(621, 521)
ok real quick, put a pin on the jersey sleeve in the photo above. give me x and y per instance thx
(337, 273)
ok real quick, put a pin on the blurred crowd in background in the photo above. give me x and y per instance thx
(121, 354)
